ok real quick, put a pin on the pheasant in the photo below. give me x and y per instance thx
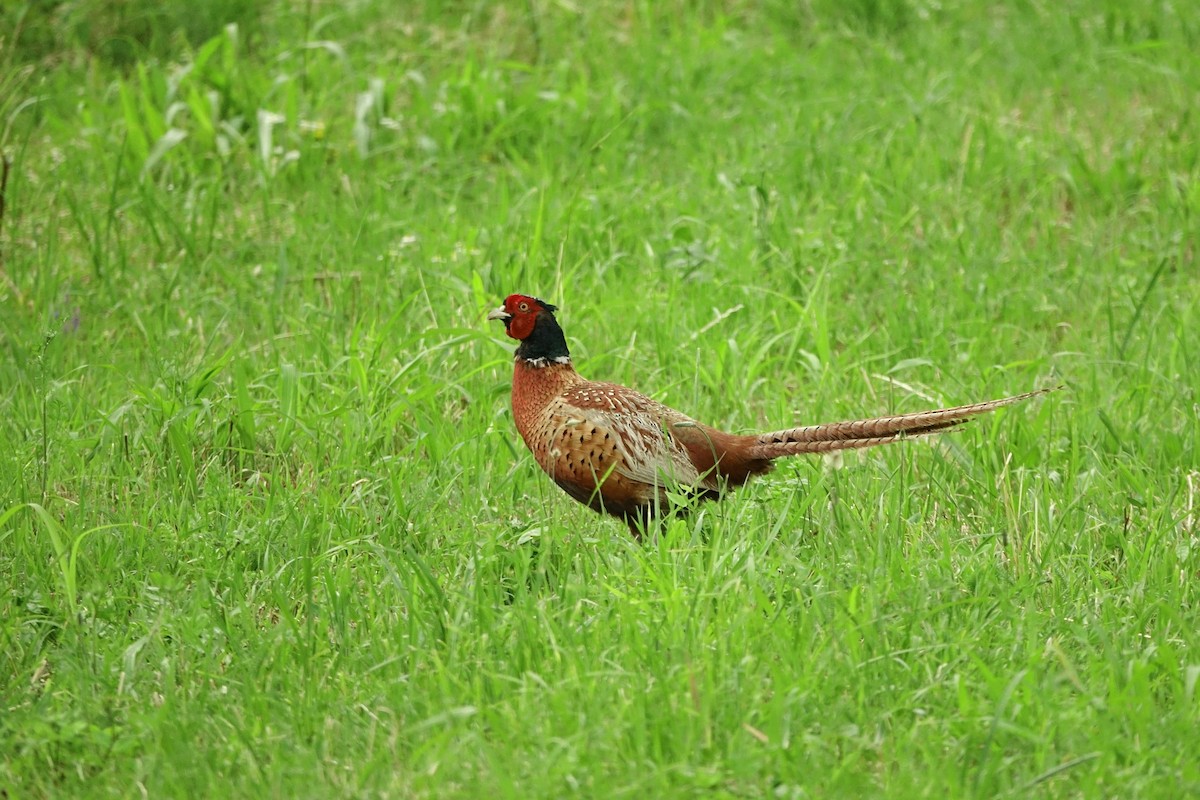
(618, 452)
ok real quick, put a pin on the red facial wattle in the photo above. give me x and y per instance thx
(519, 314)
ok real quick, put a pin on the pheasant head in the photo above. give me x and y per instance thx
(531, 322)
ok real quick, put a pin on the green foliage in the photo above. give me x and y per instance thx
(119, 32)
(266, 527)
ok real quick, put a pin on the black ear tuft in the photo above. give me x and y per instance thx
(546, 306)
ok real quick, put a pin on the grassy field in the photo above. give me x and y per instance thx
(267, 530)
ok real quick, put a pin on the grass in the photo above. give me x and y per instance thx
(266, 528)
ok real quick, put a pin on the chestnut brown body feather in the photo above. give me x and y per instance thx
(618, 451)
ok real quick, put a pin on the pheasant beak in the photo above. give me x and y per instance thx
(499, 313)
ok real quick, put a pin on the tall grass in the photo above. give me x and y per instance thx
(266, 527)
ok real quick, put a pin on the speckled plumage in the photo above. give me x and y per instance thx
(618, 451)
(609, 447)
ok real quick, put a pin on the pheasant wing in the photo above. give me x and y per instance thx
(624, 433)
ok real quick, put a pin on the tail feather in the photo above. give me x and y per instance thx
(860, 433)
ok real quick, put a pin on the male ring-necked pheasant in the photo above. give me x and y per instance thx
(618, 452)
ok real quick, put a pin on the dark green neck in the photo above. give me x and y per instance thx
(546, 343)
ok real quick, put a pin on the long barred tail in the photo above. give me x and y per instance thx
(870, 432)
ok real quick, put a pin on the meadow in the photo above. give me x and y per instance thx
(267, 529)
